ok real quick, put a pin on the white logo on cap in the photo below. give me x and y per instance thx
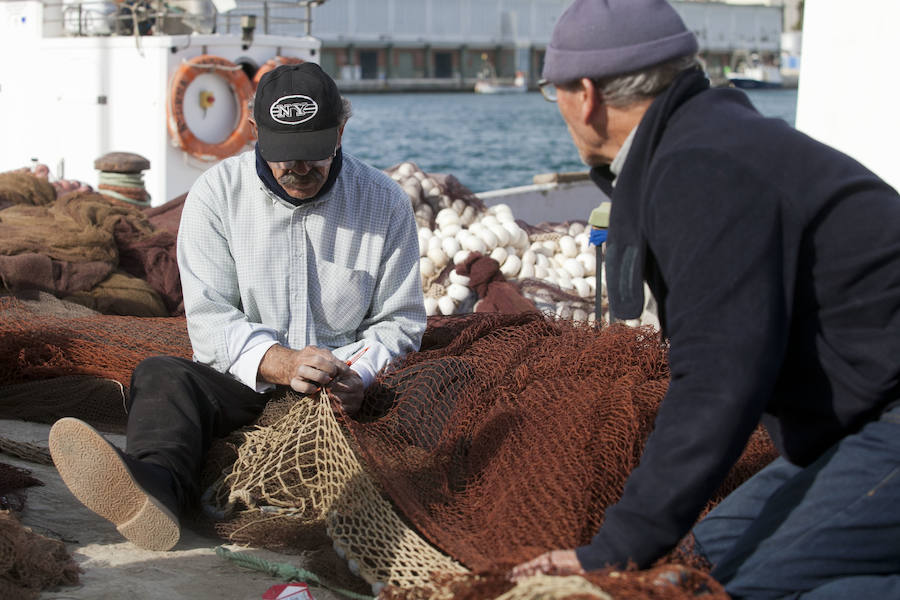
(293, 110)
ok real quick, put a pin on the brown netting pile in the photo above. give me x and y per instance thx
(13, 481)
(21, 187)
(98, 401)
(76, 364)
(505, 436)
(30, 562)
(83, 246)
(40, 346)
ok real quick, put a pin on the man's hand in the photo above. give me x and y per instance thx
(347, 387)
(309, 370)
(306, 370)
(555, 562)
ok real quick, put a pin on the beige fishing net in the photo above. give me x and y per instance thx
(303, 467)
(554, 588)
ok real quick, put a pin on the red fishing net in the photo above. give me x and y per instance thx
(42, 346)
(505, 436)
(509, 435)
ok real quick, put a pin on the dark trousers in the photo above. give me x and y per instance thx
(176, 408)
(827, 531)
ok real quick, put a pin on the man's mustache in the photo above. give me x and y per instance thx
(291, 179)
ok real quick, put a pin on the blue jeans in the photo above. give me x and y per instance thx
(827, 531)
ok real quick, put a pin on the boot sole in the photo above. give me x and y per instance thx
(98, 477)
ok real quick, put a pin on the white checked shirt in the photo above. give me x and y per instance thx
(341, 272)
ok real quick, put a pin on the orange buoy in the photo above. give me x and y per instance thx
(185, 100)
(273, 63)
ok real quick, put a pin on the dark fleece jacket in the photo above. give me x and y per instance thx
(776, 263)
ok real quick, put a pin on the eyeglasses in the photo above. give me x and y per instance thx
(548, 90)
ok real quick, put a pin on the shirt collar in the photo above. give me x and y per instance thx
(618, 162)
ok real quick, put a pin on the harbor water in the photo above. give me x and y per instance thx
(486, 141)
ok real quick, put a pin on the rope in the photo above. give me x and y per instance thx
(135, 27)
(122, 197)
(212, 66)
(545, 236)
(284, 571)
(132, 181)
(25, 451)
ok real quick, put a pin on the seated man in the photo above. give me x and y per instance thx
(294, 258)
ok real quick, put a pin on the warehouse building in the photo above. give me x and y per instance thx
(407, 45)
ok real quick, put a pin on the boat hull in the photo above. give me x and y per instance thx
(483, 87)
(112, 94)
(753, 84)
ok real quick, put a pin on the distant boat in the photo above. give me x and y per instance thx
(489, 83)
(484, 86)
(756, 77)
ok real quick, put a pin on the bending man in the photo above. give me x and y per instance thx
(776, 264)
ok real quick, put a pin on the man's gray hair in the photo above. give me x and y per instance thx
(346, 110)
(621, 91)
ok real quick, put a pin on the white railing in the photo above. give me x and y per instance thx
(160, 17)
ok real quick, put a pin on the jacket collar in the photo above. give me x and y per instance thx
(626, 247)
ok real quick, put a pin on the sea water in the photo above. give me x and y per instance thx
(486, 141)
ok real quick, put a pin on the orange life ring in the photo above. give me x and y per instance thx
(182, 136)
(272, 63)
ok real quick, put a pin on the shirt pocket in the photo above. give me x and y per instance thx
(342, 302)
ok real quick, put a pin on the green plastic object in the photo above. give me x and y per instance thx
(284, 572)
(600, 216)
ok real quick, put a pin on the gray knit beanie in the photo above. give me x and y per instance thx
(602, 38)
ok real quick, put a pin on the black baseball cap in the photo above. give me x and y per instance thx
(297, 110)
